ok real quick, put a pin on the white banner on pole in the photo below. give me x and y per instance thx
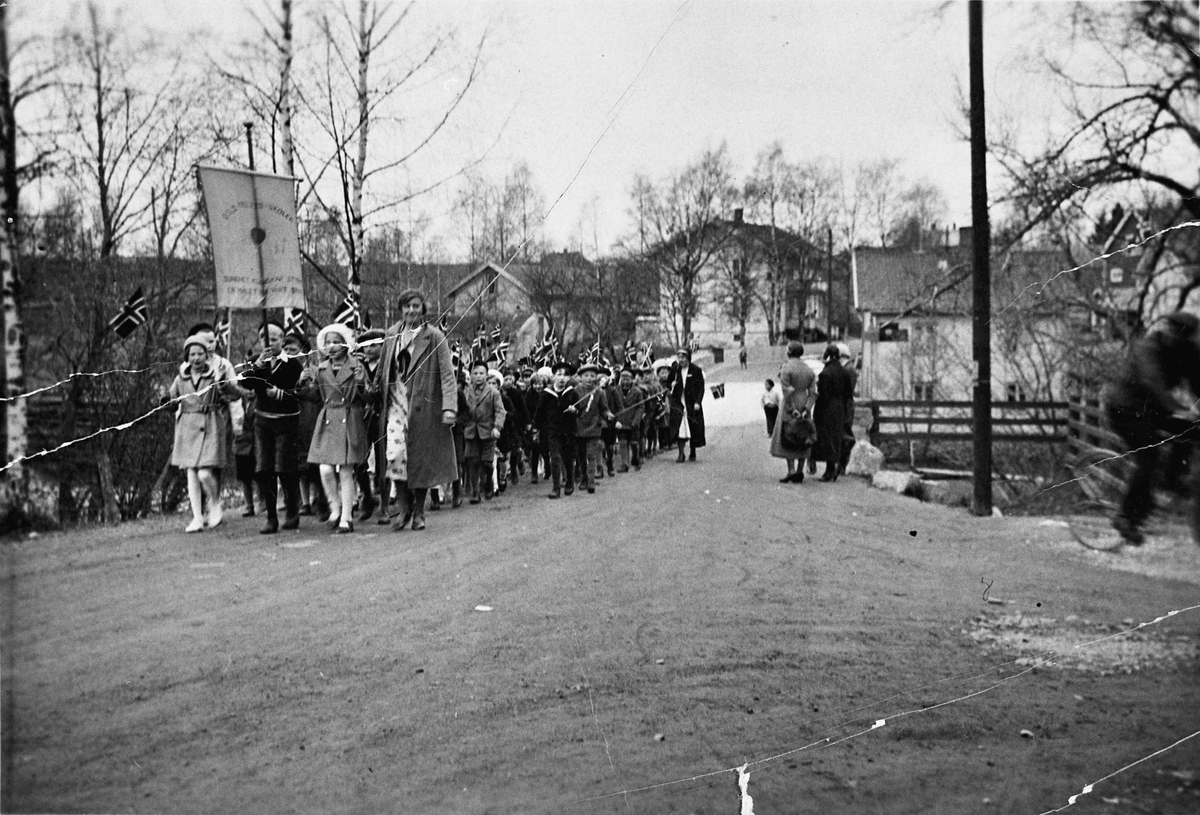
(256, 245)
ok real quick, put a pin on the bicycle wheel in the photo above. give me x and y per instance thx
(1095, 532)
(1101, 474)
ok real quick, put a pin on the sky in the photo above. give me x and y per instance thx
(589, 94)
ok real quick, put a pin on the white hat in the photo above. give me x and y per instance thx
(844, 350)
(341, 330)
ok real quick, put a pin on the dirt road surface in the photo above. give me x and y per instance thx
(852, 650)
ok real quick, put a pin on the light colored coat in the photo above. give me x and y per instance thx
(202, 423)
(429, 375)
(798, 385)
(340, 434)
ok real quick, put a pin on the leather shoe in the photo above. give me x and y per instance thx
(270, 529)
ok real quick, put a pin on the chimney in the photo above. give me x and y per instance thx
(737, 217)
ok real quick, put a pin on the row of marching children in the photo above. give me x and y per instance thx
(390, 422)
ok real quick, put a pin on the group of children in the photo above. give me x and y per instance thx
(309, 425)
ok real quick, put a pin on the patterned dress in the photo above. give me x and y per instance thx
(397, 417)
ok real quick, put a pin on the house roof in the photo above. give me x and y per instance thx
(513, 274)
(900, 281)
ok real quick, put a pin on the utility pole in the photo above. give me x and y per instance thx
(981, 340)
(829, 288)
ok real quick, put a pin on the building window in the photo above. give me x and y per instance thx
(923, 391)
(1016, 392)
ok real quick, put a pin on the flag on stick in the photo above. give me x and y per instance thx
(224, 331)
(348, 312)
(132, 314)
(497, 333)
(293, 321)
(718, 390)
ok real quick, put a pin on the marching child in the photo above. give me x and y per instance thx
(339, 442)
(591, 413)
(629, 408)
(556, 428)
(481, 428)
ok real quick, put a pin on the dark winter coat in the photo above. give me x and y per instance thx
(834, 391)
(687, 398)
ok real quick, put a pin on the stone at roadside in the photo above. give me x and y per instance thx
(865, 459)
(898, 481)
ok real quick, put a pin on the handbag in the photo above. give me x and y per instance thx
(799, 431)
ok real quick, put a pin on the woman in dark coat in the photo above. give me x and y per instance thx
(419, 405)
(834, 389)
(687, 392)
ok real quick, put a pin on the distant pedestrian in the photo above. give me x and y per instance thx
(742, 356)
(770, 403)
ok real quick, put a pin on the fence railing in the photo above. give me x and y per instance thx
(900, 420)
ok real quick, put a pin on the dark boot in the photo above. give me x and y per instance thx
(435, 499)
(270, 496)
(473, 481)
(456, 493)
(680, 460)
(489, 489)
(367, 504)
(291, 501)
(692, 454)
(404, 508)
(248, 497)
(418, 508)
(830, 473)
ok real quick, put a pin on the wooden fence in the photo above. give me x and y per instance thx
(898, 420)
(1094, 449)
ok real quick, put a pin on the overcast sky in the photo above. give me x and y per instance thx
(591, 93)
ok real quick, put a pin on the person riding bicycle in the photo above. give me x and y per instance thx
(1144, 412)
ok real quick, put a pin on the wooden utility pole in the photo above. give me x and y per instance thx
(981, 503)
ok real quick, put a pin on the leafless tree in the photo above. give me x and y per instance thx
(677, 221)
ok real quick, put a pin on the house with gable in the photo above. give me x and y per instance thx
(916, 308)
(783, 285)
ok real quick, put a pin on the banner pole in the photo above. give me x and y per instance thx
(262, 282)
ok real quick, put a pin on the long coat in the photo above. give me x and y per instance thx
(202, 422)
(834, 391)
(687, 398)
(340, 433)
(426, 368)
(797, 384)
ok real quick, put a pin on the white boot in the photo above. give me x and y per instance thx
(195, 499)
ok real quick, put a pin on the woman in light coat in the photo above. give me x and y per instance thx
(418, 401)
(798, 392)
(339, 441)
(203, 389)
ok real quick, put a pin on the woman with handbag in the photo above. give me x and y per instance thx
(794, 432)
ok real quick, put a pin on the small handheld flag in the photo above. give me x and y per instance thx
(293, 321)
(132, 314)
(348, 312)
(223, 331)
(718, 390)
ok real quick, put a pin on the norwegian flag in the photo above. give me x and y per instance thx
(500, 353)
(456, 360)
(293, 321)
(645, 355)
(348, 312)
(132, 314)
(497, 333)
(593, 353)
(630, 353)
(477, 348)
(223, 331)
